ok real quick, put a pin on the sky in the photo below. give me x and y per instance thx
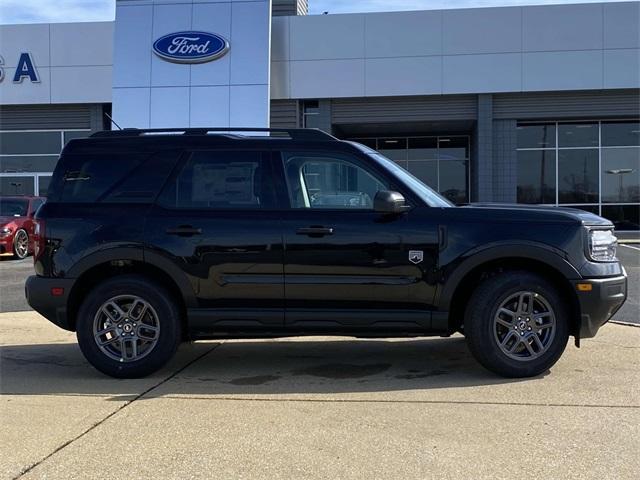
(51, 11)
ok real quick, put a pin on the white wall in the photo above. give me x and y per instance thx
(482, 50)
(230, 91)
(73, 62)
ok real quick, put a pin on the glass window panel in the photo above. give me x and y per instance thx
(17, 163)
(620, 133)
(369, 142)
(330, 182)
(587, 208)
(621, 175)
(311, 106)
(426, 171)
(423, 148)
(453, 181)
(71, 135)
(578, 135)
(10, 207)
(311, 120)
(221, 180)
(17, 185)
(453, 148)
(30, 142)
(395, 149)
(43, 185)
(537, 136)
(624, 217)
(578, 176)
(536, 176)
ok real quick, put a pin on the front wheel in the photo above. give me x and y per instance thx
(21, 244)
(516, 324)
(128, 327)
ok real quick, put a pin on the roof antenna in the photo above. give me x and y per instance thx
(112, 120)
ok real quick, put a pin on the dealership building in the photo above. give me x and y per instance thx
(533, 104)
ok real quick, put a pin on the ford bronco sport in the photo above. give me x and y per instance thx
(150, 237)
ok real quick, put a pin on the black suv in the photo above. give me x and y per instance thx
(151, 237)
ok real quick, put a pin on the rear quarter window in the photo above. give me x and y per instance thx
(110, 178)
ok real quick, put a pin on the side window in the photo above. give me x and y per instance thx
(330, 181)
(221, 180)
(35, 205)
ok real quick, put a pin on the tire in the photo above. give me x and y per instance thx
(147, 312)
(21, 244)
(486, 327)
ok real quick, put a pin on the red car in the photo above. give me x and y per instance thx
(16, 224)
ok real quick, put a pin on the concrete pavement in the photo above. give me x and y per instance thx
(316, 408)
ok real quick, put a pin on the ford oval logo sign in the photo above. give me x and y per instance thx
(190, 47)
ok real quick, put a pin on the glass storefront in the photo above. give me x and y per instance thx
(592, 165)
(441, 162)
(28, 158)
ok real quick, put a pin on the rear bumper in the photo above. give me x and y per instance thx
(53, 308)
(599, 304)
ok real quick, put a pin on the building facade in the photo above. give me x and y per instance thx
(535, 104)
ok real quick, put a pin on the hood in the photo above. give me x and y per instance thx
(541, 213)
(4, 220)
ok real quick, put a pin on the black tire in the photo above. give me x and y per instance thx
(480, 329)
(168, 318)
(17, 251)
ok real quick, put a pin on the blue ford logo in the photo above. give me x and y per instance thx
(190, 47)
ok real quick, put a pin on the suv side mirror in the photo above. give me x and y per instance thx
(390, 202)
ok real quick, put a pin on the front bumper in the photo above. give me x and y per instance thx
(600, 303)
(52, 307)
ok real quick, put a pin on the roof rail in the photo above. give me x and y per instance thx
(293, 133)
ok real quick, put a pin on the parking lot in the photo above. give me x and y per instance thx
(315, 408)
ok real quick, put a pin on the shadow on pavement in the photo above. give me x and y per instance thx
(256, 368)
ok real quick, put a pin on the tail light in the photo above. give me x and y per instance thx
(39, 239)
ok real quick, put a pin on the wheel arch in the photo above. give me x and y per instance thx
(104, 265)
(539, 260)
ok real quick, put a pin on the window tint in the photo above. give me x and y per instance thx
(620, 133)
(143, 184)
(578, 176)
(537, 136)
(35, 204)
(329, 181)
(87, 178)
(536, 176)
(221, 180)
(578, 135)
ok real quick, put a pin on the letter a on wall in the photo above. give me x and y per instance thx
(25, 68)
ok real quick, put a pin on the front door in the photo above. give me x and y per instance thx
(216, 220)
(345, 264)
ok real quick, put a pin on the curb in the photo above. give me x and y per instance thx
(626, 324)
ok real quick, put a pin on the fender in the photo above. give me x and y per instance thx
(138, 254)
(539, 252)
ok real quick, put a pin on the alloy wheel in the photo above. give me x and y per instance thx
(524, 326)
(126, 328)
(21, 244)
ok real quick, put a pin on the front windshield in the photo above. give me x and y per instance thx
(427, 194)
(10, 207)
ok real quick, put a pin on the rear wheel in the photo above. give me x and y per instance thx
(128, 327)
(516, 324)
(21, 244)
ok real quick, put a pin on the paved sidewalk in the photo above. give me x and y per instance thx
(316, 408)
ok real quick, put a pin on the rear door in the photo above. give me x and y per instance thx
(216, 219)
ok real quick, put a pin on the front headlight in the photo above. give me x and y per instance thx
(602, 245)
(5, 232)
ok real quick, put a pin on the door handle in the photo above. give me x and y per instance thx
(315, 231)
(184, 231)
